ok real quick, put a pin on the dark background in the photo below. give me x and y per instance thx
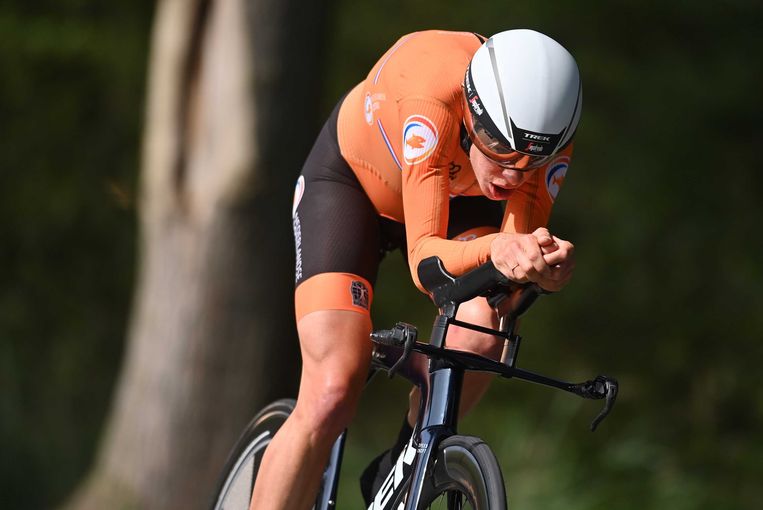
(662, 202)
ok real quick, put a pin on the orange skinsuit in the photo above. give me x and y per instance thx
(399, 130)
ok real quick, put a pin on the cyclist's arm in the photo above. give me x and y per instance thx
(543, 258)
(426, 200)
(529, 206)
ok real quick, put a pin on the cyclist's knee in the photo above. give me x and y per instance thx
(336, 355)
(476, 311)
(328, 407)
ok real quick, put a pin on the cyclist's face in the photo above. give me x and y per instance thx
(495, 181)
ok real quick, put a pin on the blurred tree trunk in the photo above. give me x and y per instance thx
(232, 99)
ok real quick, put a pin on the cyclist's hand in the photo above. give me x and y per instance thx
(546, 241)
(520, 256)
(539, 257)
(562, 262)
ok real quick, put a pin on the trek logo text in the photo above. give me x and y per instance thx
(537, 138)
(394, 478)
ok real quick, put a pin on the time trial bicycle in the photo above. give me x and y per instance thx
(437, 468)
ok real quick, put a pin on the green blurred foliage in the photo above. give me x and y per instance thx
(662, 202)
(71, 97)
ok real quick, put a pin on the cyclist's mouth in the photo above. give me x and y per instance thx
(499, 192)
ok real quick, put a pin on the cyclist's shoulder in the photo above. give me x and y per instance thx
(435, 36)
(425, 66)
(418, 49)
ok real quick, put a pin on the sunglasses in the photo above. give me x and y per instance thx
(495, 150)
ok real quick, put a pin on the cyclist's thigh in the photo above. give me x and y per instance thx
(337, 239)
(336, 351)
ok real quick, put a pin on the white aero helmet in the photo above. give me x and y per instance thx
(523, 96)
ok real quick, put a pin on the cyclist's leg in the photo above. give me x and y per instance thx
(337, 239)
(476, 311)
(335, 357)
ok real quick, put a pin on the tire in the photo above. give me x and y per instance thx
(235, 487)
(465, 475)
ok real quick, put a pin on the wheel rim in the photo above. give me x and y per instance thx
(237, 489)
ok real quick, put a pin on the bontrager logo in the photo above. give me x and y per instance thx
(394, 478)
(540, 138)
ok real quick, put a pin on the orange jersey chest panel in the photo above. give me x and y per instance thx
(399, 130)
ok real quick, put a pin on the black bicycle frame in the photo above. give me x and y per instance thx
(439, 373)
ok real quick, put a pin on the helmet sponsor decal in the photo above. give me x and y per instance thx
(534, 148)
(474, 101)
(531, 142)
(368, 109)
(468, 82)
(359, 293)
(555, 173)
(419, 139)
(299, 190)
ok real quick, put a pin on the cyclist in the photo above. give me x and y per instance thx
(420, 156)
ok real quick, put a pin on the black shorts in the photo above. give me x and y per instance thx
(337, 228)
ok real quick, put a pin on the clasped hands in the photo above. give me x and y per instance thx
(539, 257)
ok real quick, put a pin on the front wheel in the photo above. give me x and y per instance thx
(465, 475)
(237, 482)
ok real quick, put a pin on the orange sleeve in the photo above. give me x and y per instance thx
(426, 197)
(426, 202)
(529, 206)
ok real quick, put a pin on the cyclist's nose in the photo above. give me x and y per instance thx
(513, 177)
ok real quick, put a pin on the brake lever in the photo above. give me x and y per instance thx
(601, 387)
(610, 394)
